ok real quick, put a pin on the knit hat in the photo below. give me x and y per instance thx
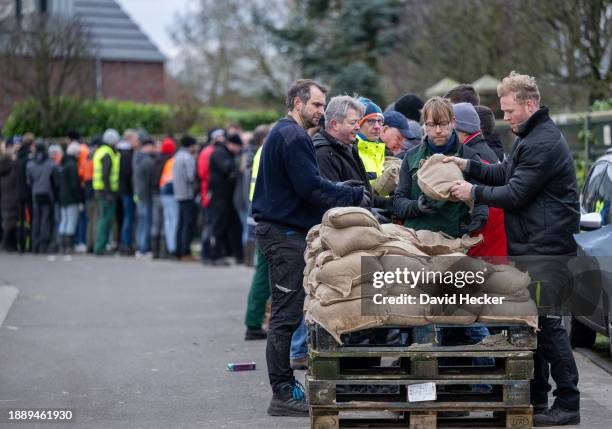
(73, 149)
(371, 110)
(168, 146)
(410, 106)
(466, 118)
(187, 141)
(111, 137)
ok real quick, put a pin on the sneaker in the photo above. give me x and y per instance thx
(289, 401)
(255, 334)
(299, 364)
(556, 416)
(80, 248)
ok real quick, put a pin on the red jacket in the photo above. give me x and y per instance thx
(494, 231)
(204, 173)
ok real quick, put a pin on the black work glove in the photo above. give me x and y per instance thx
(475, 225)
(366, 199)
(352, 183)
(381, 215)
(424, 207)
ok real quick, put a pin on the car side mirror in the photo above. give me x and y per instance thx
(590, 221)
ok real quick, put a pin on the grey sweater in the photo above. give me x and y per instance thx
(184, 173)
(41, 176)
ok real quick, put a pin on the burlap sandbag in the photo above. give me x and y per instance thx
(386, 183)
(521, 295)
(507, 281)
(324, 257)
(398, 231)
(310, 264)
(340, 274)
(460, 314)
(458, 262)
(344, 217)
(312, 233)
(329, 296)
(439, 243)
(343, 318)
(510, 312)
(407, 314)
(400, 247)
(352, 239)
(436, 178)
(391, 263)
(310, 281)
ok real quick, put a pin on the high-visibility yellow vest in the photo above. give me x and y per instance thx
(372, 155)
(98, 183)
(254, 171)
(167, 175)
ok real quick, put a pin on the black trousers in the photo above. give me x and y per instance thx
(554, 357)
(283, 249)
(42, 226)
(226, 230)
(186, 226)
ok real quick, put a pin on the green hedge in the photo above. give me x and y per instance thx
(92, 117)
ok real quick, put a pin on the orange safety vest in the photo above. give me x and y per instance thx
(166, 176)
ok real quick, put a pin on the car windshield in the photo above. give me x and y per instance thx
(597, 193)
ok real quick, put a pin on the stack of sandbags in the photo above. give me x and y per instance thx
(436, 178)
(337, 279)
(333, 278)
(386, 183)
(518, 307)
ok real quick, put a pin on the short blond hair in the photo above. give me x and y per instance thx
(438, 109)
(521, 86)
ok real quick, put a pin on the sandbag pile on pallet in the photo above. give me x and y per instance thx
(334, 277)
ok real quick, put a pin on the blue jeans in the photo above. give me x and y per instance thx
(69, 216)
(127, 202)
(81, 231)
(171, 214)
(143, 228)
(299, 348)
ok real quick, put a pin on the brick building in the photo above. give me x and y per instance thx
(127, 65)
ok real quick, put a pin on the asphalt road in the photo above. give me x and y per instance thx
(129, 343)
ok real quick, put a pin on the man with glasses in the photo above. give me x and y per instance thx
(371, 149)
(410, 204)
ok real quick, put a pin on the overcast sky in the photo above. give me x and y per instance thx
(155, 17)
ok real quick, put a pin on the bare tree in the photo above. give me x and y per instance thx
(45, 57)
(226, 55)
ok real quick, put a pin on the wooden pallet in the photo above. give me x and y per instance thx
(345, 378)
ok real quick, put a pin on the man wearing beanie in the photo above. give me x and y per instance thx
(371, 149)
(468, 130)
(144, 165)
(105, 185)
(184, 175)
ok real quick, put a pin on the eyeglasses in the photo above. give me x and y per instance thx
(373, 121)
(432, 125)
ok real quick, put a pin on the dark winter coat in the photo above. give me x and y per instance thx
(69, 182)
(536, 186)
(339, 162)
(143, 170)
(223, 174)
(41, 173)
(24, 191)
(8, 185)
(480, 146)
(125, 169)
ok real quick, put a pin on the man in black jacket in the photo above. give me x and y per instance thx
(226, 230)
(336, 146)
(536, 186)
(290, 198)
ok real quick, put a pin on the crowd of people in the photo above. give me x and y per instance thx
(130, 194)
(133, 193)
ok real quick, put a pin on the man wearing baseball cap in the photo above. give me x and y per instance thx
(394, 131)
